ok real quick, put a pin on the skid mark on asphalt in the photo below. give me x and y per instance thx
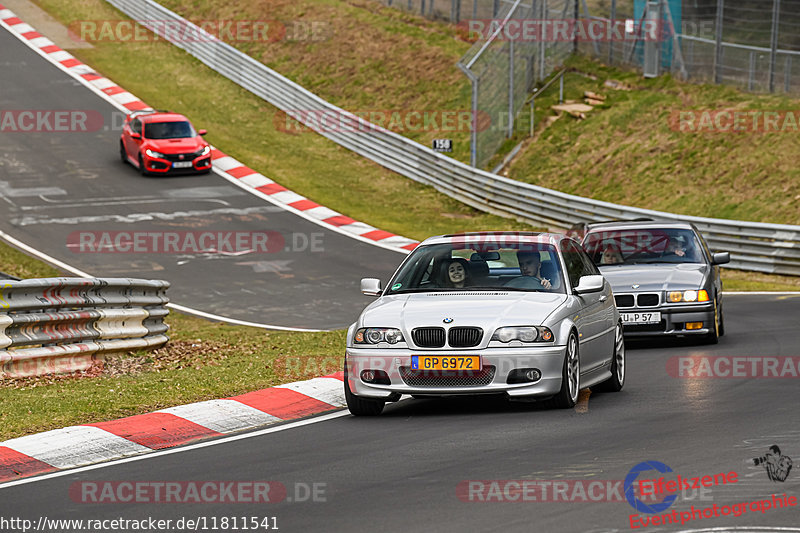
(583, 401)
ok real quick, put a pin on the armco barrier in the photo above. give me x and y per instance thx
(52, 325)
(771, 248)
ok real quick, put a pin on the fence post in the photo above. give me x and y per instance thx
(510, 87)
(575, 18)
(787, 74)
(611, 41)
(474, 9)
(773, 52)
(751, 74)
(718, 43)
(495, 8)
(542, 18)
(561, 89)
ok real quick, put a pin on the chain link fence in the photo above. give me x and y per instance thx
(753, 45)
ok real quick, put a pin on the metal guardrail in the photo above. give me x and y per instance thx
(770, 248)
(56, 325)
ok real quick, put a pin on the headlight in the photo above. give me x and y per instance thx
(377, 335)
(205, 151)
(153, 153)
(523, 333)
(687, 296)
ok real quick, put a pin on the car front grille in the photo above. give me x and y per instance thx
(447, 378)
(624, 300)
(428, 337)
(464, 337)
(647, 300)
(183, 157)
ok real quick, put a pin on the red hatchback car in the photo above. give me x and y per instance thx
(160, 142)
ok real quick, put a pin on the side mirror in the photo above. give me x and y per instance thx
(589, 284)
(202, 132)
(136, 135)
(720, 258)
(371, 287)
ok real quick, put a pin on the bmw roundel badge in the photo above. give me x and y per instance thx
(447, 320)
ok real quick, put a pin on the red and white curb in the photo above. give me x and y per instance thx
(224, 165)
(87, 444)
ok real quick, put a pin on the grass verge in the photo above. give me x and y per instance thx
(202, 361)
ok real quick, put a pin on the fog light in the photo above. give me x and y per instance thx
(694, 325)
(376, 377)
(524, 375)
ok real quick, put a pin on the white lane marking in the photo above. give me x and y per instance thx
(74, 446)
(41, 42)
(226, 163)
(288, 197)
(222, 416)
(759, 293)
(256, 180)
(183, 309)
(326, 390)
(215, 442)
(29, 220)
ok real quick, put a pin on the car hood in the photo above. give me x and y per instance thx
(655, 277)
(486, 309)
(176, 146)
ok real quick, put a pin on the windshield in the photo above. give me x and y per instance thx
(637, 246)
(169, 130)
(465, 266)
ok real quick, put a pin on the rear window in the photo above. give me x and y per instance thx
(638, 246)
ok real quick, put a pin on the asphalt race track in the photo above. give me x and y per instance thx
(57, 185)
(400, 472)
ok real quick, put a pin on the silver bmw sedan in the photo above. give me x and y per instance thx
(527, 315)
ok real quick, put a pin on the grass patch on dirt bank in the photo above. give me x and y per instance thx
(202, 361)
(630, 150)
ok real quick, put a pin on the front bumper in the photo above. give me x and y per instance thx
(673, 321)
(549, 360)
(164, 166)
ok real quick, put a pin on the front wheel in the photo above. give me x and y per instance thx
(713, 337)
(142, 170)
(360, 406)
(123, 155)
(567, 397)
(617, 379)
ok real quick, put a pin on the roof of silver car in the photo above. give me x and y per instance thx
(629, 224)
(523, 236)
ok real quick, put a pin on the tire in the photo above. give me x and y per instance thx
(721, 322)
(123, 155)
(617, 379)
(713, 337)
(567, 397)
(142, 170)
(360, 406)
